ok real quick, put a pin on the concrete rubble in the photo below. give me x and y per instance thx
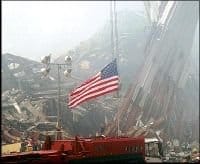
(155, 105)
(26, 114)
(164, 93)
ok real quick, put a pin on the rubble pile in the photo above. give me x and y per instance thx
(15, 115)
(164, 94)
(161, 102)
(29, 114)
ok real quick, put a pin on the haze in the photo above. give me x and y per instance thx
(36, 28)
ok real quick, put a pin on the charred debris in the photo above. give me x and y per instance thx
(161, 100)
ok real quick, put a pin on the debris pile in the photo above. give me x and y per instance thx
(30, 114)
(164, 93)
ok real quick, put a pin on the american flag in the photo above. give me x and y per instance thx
(107, 80)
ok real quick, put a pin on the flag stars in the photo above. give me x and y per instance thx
(110, 70)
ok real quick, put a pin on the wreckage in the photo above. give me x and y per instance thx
(159, 101)
(156, 103)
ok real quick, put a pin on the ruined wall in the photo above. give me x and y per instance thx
(165, 91)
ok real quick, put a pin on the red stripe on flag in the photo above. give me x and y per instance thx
(97, 77)
(94, 85)
(91, 96)
(93, 90)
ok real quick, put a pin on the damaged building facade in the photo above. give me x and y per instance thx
(163, 97)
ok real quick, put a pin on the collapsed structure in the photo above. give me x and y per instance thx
(163, 97)
(162, 101)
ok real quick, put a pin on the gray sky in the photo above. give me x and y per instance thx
(36, 28)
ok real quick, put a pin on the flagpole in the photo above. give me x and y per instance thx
(117, 58)
(111, 25)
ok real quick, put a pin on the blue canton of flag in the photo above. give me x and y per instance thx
(110, 70)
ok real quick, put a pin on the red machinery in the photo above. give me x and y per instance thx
(84, 150)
